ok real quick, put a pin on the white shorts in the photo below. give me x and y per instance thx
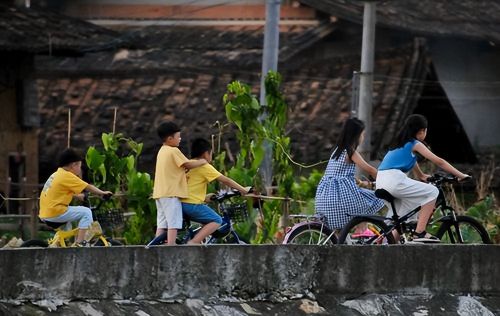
(168, 213)
(409, 193)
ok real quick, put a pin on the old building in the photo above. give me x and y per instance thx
(24, 33)
(179, 65)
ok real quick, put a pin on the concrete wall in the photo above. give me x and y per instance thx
(468, 72)
(246, 271)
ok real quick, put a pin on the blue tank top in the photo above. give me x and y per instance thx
(401, 158)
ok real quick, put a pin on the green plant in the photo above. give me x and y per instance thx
(488, 213)
(114, 168)
(260, 127)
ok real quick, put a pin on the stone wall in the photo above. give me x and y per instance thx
(246, 272)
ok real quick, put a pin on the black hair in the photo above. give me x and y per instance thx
(167, 129)
(349, 137)
(199, 147)
(412, 125)
(68, 156)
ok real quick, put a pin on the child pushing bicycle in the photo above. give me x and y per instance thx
(61, 187)
(194, 206)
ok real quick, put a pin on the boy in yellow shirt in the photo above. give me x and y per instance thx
(59, 190)
(170, 181)
(194, 205)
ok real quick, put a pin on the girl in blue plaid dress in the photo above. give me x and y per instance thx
(338, 197)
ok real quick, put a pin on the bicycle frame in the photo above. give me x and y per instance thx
(399, 223)
(61, 236)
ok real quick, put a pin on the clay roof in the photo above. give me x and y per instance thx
(479, 19)
(37, 30)
(151, 87)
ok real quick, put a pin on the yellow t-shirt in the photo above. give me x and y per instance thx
(58, 192)
(170, 177)
(197, 180)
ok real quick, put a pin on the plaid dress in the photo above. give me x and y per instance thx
(338, 198)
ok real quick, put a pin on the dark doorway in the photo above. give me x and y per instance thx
(446, 135)
(17, 176)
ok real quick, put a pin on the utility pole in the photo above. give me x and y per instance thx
(271, 43)
(269, 62)
(366, 75)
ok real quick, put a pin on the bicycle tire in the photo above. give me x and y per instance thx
(35, 243)
(112, 242)
(231, 239)
(377, 227)
(311, 234)
(471, 231)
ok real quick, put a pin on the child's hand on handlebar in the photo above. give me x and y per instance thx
(246, 191)
(106, 195)
(463, 177)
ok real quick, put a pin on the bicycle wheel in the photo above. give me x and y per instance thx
(363, 230)
(111, 242)
(35, 243)
(466, 230)
(231, 239)
(311, 234)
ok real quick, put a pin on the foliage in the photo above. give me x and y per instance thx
(486, 211)
(113, 168)
(304, 190)
(260, 127)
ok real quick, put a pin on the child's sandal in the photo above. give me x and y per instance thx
(424, 236)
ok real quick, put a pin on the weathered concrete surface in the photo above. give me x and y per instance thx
(372, 304)
(336, 279)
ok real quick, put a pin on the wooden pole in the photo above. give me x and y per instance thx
(114, 119)
(69, 127)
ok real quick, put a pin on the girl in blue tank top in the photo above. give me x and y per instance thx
(411, 193)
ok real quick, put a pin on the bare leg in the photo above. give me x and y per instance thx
(204, 232)
(171, 236)
(424, 216)
(81, 234)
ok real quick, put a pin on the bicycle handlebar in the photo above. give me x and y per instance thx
(438, 179)
(224, 195)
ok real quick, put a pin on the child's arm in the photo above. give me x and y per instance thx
(419, 174)
(96, 190)
(440, 162)
(232, 184)
(194, 163)
(363, 165)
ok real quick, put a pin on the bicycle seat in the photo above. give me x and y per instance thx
(53, 225)
(384, 195)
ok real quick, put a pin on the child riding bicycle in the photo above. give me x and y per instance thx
(338, 197)
(61, 187)
(194, 206)
(410, 193)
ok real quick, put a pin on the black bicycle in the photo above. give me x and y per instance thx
(231, 213)
(449, 227)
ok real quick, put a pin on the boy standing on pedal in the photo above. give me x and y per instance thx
(59, 190)
(170, 181)
(194, 205)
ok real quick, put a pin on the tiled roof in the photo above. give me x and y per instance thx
(37, 30)
(467, 18)
(156, 48)
(318, 91)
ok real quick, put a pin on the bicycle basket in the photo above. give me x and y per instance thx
(109, 219)
(238, 213)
